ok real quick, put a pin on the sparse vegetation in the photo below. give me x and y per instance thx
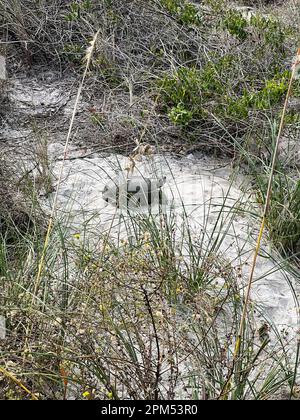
(284, 217)
(134, 321)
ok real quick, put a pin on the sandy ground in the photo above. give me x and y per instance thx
(206, 189)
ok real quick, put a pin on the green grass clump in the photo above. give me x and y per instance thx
(284, 214)
(292, 118)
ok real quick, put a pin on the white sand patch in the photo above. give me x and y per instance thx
(35, 98)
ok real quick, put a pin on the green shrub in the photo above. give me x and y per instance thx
(269, 96)
(292, 117)
(185, 12)
(187, 92)
(237, 108)
(270, 29)
(267, 29)
(180, 116)
(182, 94)
(74, 53)
(236, 25)
(75, 10)
(190, 92)
(273, 92)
